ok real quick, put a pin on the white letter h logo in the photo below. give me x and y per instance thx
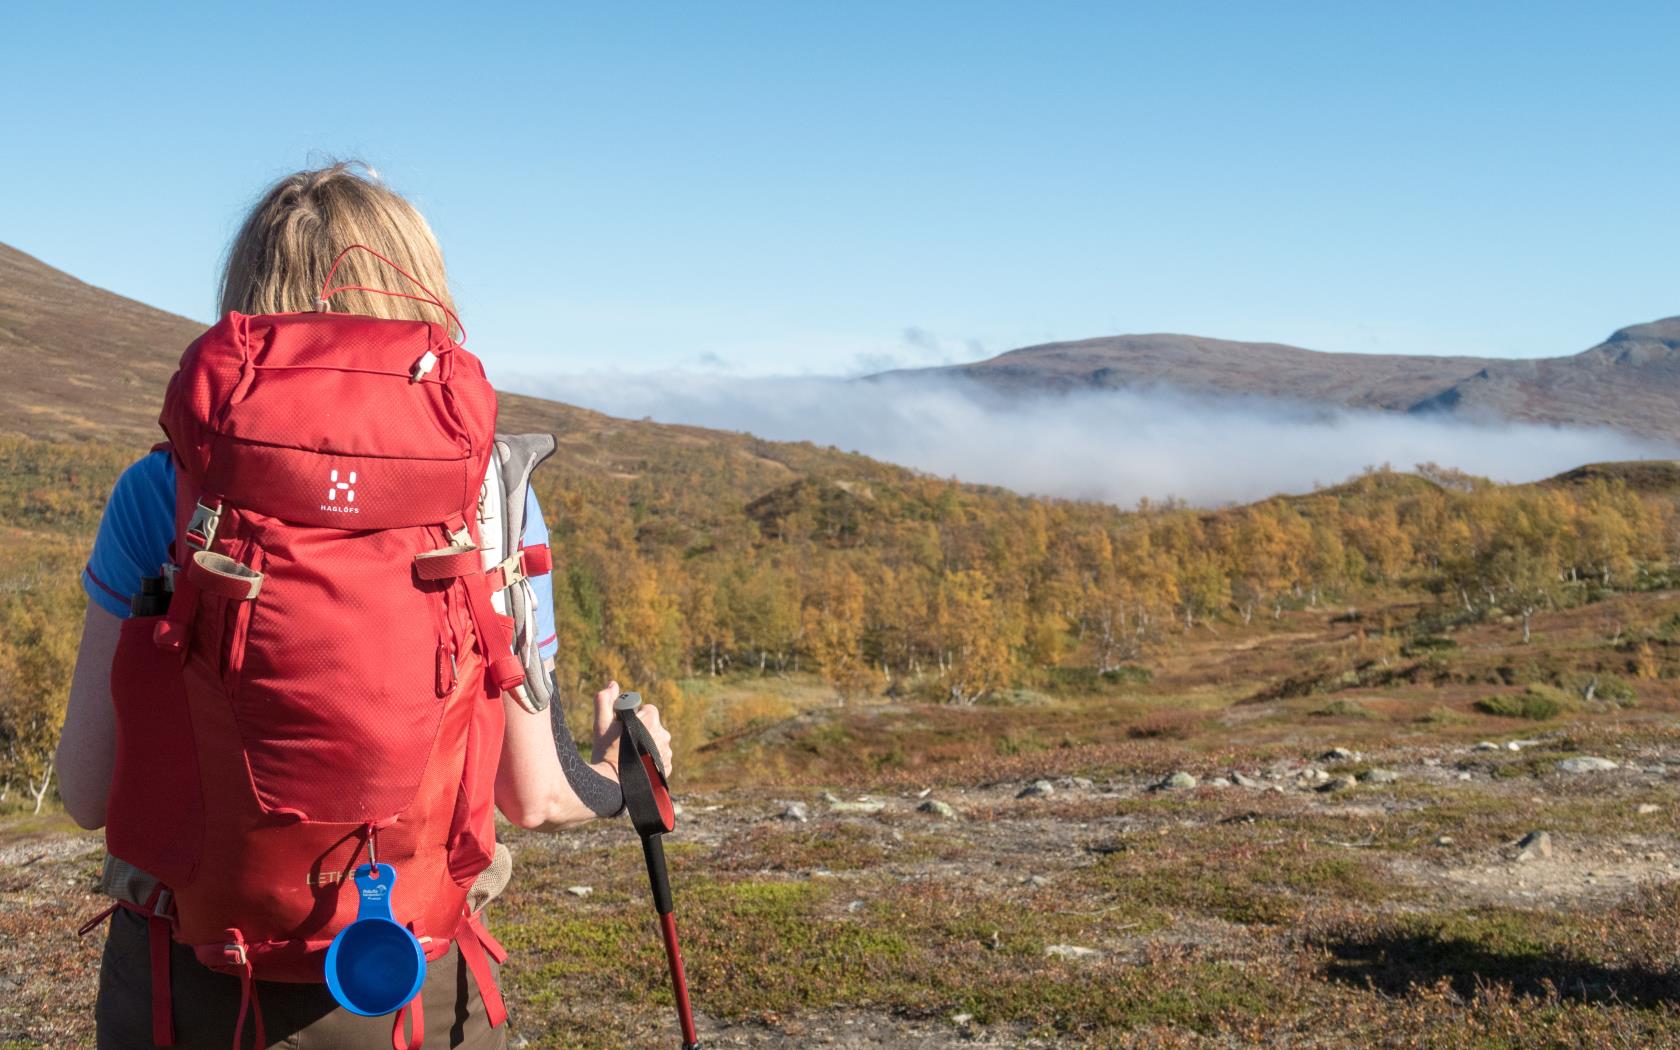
(349, 493)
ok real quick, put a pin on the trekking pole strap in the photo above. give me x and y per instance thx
(640, 775)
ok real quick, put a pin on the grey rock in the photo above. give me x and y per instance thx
(1244, 781)
(1178, 782)
(1219, 782)
(864, 807)
(1379, 776)
(796, 813)
(1535, 845)
(1081, 783)
(1586, 764)
(1073, 951)
(1037, 789)
(942, 810)
(1037, 882)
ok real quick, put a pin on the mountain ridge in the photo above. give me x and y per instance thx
(90, 364)
(1630, 381)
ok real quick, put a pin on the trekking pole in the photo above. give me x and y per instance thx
(646, 796)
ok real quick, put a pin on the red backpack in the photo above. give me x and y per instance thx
(327, 680)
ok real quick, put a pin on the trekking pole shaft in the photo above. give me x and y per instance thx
(679, 981)
(653, 851)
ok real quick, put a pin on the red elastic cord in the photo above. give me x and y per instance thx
(431, 297)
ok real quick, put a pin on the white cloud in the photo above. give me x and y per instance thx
(1117, 446)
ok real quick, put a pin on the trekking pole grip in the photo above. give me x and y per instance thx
(641, 775)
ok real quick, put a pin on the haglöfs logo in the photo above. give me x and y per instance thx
(334, 488)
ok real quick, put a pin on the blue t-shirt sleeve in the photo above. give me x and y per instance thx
(134, 533)
(536, 533)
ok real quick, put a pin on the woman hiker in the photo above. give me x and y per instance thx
(278, 264)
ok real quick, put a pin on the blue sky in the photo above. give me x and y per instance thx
(827, 188)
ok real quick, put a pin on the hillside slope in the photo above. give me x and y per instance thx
(87, 364)
(81, 362)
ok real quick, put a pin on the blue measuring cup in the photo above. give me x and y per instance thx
(375, 965)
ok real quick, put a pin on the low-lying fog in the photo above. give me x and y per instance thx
(1117, 446)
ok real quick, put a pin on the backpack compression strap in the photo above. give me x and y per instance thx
(462, 559)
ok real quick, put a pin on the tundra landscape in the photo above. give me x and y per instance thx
(1388, 761)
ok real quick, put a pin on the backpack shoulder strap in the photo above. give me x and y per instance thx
(520, 454)
(507, 487)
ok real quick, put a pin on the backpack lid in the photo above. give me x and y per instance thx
(322, 419)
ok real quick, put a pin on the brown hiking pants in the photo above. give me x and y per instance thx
(300, 1016)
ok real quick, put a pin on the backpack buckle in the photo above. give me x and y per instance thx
(201, 527)
(506, 573)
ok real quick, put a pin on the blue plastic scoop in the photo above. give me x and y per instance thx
(375, 965)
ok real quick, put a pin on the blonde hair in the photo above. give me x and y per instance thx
(280, 257)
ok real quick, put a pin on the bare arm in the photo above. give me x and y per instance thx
(87, 747)
(531, 788)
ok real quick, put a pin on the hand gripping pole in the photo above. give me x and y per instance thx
(646, 796)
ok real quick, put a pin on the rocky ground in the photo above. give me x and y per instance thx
(1486, 893)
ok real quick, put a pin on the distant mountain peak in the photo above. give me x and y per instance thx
(1665, 331)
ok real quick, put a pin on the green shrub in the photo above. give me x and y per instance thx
(1606, 687)
(1537, 703)
(1128, 674)
(1341, 708)
(1430, 643)
(1441, 715)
